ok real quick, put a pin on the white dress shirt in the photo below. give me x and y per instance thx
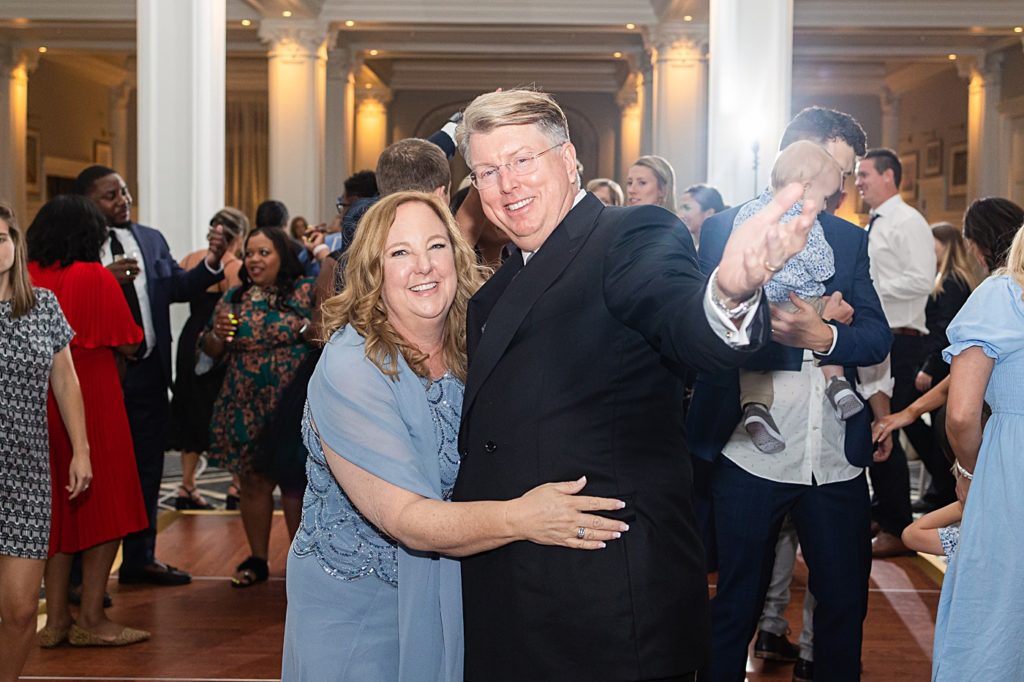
(815, 438)
(132, 250)
(902, 252)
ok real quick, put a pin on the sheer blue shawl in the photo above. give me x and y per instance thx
(385, 427)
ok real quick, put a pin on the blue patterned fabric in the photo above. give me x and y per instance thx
(950, 539)
(979, 628)
(804, 273)
(405, 432)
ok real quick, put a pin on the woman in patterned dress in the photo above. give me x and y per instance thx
(34, 351)
(260, 330)
(64, 256)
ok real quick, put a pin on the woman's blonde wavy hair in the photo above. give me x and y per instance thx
(361, 305)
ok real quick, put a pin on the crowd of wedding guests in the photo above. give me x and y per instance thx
(335, 361)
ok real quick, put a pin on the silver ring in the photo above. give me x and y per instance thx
(581, 532)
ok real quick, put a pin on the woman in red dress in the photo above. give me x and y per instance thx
(64, 252)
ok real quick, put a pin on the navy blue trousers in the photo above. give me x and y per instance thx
(832, 522)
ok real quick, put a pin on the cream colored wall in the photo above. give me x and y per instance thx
(1013, 73)
(70, 113)
(935, 110)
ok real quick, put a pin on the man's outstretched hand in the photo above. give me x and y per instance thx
(761, 246)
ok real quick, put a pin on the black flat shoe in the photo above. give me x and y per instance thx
(251, 571)
(155, 573)
(803, 671)
(190, 499)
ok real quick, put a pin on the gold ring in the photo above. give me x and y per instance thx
(772, 268)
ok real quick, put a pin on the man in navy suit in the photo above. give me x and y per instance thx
(151, 278)
(819, 477)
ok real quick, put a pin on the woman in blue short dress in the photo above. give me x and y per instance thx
(980, 623)
(371, 592)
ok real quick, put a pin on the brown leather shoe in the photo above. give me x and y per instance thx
(887, 545)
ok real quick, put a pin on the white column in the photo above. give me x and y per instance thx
(297, 62)
(646, 94)
(680, 99)
(181, 53)
(983, 125)
(751, 66)
(15, 65)
(890, 104)
(371, 125)
(631, 124)
(118, 124)
(339, 121)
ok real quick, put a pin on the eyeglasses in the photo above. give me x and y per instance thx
(342, 206)
(487, 176)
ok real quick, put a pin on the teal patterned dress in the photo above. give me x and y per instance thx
(267, 349)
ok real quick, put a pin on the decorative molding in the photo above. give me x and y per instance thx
(92, 68)
(888, 14)
(831, 78)
(524, 12)
(295, 39)
(913, 76)
(676, 40)
(552, 75)
(629, 94)
(375, 94)
(980, 71)
(16, 62)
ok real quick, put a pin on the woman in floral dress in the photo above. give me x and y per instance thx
(260, 331)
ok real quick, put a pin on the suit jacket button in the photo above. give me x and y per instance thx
(490, 446)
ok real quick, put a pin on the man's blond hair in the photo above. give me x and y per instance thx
(509, 108)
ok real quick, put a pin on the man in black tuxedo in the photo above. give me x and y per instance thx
(577, 350)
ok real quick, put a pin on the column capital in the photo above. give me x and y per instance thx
(342, 63)
(676, 40)
(296, 38)
(890, 102)
(629, 95)
(376, 93)
(15, 59)
(981, 70)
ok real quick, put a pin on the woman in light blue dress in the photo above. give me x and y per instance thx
(980, 625)
(371, 592)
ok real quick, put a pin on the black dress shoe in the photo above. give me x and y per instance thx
(803, 671)
(155, 573)
(775, 648)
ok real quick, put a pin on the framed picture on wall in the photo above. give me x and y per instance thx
(933, 159)
(102, 153)
(33, 162)
(908, 183)
(958, 170)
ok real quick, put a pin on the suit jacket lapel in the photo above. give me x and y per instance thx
(516, 297)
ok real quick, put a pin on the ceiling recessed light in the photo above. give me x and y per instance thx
(374, 53)
(246, 22)
(368, 86)
(630, 26)
(688, 17)
(1018, 29)
(350, 23)
(287, 13)
(617, 55)
(42, 49)
(951, 57)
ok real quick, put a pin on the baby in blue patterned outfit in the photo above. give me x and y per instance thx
(804, 274)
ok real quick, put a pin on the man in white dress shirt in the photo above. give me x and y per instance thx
(902, 253)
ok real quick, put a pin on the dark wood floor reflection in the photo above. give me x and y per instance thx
(210, 631)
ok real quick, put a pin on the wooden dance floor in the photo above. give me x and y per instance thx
(210, 631)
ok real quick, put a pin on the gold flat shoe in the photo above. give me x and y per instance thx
(79, 636)
(50, 638)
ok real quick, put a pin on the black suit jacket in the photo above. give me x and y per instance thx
(576, 363)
